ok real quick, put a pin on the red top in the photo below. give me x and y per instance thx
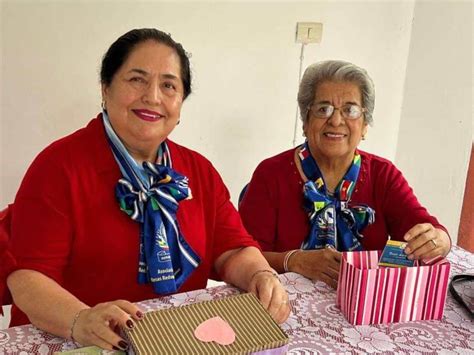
(67, 223)
(272, 207)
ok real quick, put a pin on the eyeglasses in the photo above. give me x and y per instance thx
(349, 111)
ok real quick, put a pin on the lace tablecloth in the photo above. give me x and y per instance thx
(316, 325)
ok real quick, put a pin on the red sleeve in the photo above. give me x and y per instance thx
(401, 207)
(41, 217)
(258, 208)
(229, 233)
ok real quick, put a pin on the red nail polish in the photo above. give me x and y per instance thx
(129, 323)
(123, 345)
(139, 314)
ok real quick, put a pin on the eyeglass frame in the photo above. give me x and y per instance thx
(362, 111)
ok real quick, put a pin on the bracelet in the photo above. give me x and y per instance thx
(274, 274)
(76, 317)
(287, 259)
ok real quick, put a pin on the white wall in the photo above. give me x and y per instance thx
(436, 127)
(245, 65)
(244, 59)
(5, 320)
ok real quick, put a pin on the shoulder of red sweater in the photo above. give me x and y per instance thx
(374, 160)
(81, 142)
(190, 162)
(186, 153)
(278, 160)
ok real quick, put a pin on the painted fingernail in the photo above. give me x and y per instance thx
(139, 314)
(115, 348)
(123, 345)
(129, 324)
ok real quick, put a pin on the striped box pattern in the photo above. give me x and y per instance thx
(369, 294)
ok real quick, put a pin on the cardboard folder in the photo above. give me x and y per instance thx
(171, 331)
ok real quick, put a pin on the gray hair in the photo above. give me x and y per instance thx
(335, 70)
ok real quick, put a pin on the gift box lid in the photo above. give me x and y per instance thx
(171, 331)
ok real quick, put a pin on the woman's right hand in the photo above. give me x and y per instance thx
(322, 265)
(98, 325)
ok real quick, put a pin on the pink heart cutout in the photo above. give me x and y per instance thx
(215, 329)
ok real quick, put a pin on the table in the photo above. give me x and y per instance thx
(316, 325)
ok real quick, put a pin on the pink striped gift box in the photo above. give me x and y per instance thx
(369, 294)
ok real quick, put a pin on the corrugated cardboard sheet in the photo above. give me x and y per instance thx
(171, 331)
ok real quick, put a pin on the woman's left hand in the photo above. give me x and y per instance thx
(271, 293)
(426, 242)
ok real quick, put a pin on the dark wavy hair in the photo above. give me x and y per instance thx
(119, 51)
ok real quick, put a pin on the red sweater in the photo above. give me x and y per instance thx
(272, 207)
(67, 223)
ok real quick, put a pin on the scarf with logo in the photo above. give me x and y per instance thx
(150, 195)
(334, 221)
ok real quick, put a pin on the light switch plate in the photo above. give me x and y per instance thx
(309, 32)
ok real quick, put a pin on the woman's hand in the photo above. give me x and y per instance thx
(266, 285)
(318, 265)
(99, 325)
(247, 268)
(426, 242)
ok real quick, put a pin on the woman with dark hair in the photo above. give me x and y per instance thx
(308, 204)
(117, 213)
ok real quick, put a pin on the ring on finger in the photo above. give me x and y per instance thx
(434, 243)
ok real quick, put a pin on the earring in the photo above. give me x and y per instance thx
(104, 108)
(177, 123)
(363, 137)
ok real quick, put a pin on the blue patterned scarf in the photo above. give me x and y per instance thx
(150, 195)
(333, 223)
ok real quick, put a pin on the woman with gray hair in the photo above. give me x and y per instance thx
(306, 205)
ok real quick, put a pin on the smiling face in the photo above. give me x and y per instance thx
(144, 99)
(335, 139)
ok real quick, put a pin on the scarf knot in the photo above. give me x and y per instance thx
(150, 195)
(335, 222)
(166, 188)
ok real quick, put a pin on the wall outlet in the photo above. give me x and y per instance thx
(309, 32)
